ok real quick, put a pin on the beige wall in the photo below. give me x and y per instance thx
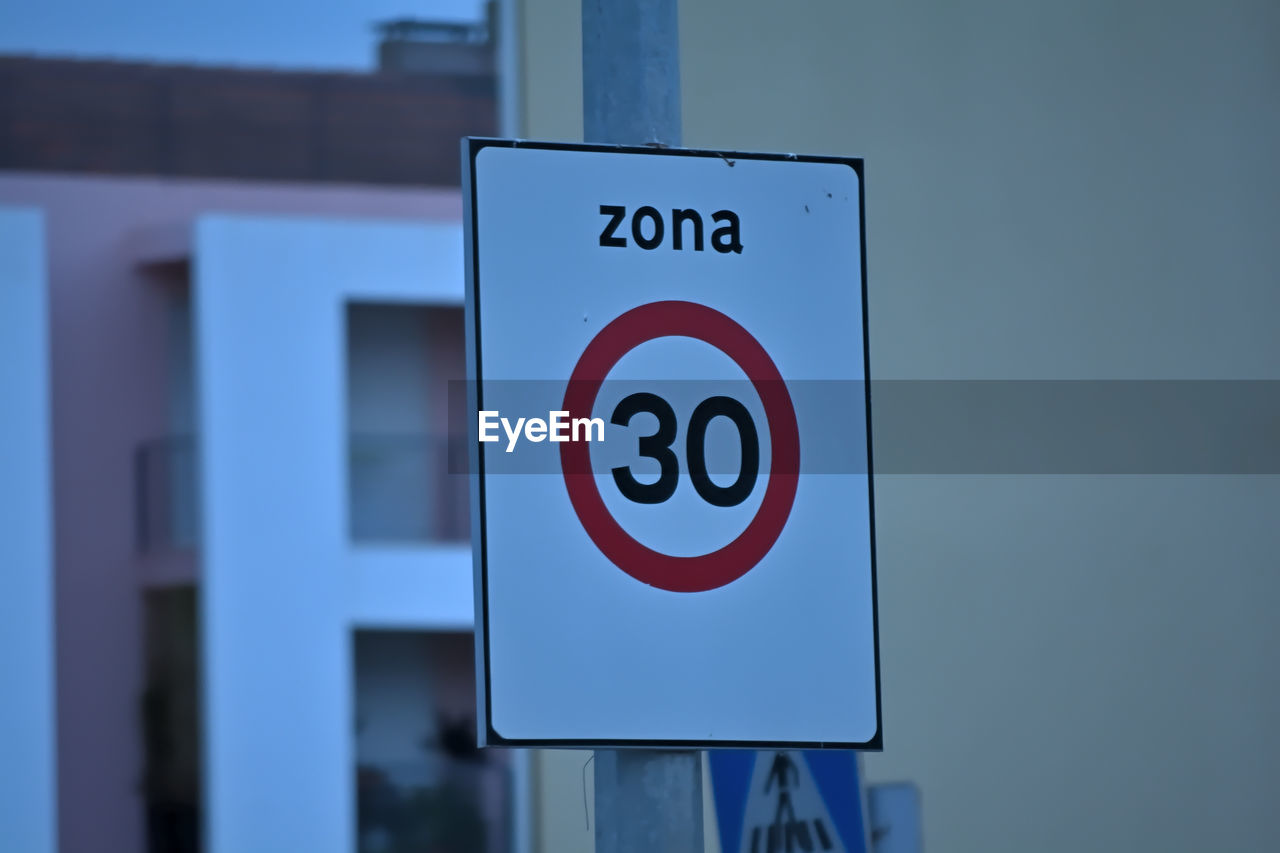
(1068, 190)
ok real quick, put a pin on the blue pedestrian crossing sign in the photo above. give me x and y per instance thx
(788, 801)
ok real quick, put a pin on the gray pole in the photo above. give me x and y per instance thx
(630, 72)
(647, 801)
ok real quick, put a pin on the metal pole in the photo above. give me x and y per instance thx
(630, 72)
(647, 801)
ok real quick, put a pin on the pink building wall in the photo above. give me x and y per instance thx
(110, 391)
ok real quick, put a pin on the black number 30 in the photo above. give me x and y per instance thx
(658, 446)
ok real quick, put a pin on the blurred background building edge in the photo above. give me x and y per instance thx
(27, 789)
(113, 174)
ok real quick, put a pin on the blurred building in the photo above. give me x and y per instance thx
(260, 570)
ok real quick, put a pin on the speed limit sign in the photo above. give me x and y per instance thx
(673, 526)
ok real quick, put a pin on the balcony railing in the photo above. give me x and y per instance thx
(166, 483)
(401, 489)
(434, 805)
(407, 488)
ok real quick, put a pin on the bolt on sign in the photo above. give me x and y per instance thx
(669, 412)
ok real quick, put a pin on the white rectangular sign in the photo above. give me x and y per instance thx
(670, 433)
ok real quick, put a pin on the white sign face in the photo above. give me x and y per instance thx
(672, 511)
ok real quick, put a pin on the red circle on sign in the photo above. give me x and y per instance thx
(665, 571)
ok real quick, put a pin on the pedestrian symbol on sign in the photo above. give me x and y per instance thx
(785, 810)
